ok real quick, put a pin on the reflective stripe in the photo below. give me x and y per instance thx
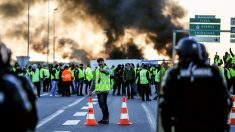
(124, 105)
(232, 115)
(90, 105)
(90, 116)
(124, 116)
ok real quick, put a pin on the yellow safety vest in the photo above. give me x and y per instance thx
(102, 81)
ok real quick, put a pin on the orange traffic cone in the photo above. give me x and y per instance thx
(232, 113)
(90, 118)
(124, 118)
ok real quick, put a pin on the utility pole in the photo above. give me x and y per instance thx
(28, 27)
(54, 37)
(48, 30)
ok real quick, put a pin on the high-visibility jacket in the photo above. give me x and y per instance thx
(89, 74)
(66, 75)
(73, 72)
(102, 81)
(157, 75)
(225, 73)
(35, 75)
(233, 60)
(57, 74)
(46, 73)
(232, 72)
(143, 76)
(41, 72)
(81, 73)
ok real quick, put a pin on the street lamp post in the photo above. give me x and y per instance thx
(54, 37)
(48, 29)
(28, 27)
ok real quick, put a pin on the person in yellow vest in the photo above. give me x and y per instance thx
(45, 76)
(88, 78)
(35, 74)
(144, 78)
(101, 85)
(157, 78)
(67, 79)
(81, 77)
(73, 85)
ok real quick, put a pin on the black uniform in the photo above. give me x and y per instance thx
(17, 99)
(194, 98)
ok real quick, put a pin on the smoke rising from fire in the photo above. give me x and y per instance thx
(156, 19)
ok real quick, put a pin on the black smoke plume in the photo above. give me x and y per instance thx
(76, 53)
(159, 17)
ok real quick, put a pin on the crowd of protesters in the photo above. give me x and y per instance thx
(226, 65)
(66, 79)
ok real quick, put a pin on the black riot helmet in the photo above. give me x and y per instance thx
(204, 54)
(5, 55)
(188, 49)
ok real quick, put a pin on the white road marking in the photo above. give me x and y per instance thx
(58, 112)
(150, 117)
(80, 114)
(84, 107)
(71, 122)
(49, 118)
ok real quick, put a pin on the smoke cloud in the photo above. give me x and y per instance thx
(75, 53)
(157, 18)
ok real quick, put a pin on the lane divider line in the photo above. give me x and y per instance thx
(150, 117)
(58, 112)
(49, 118)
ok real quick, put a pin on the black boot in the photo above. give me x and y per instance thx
(105, 121)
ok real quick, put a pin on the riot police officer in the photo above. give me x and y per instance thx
(193, 95)
(17, 99)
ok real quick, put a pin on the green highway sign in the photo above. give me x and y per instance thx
(202, 32)
(205, 26)
(205, 20)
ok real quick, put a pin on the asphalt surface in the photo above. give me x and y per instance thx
(57, 114)
(68, 114)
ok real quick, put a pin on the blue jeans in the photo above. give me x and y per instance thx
(54, 87)
(102, 100)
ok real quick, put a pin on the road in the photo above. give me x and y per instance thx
(68, 114)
